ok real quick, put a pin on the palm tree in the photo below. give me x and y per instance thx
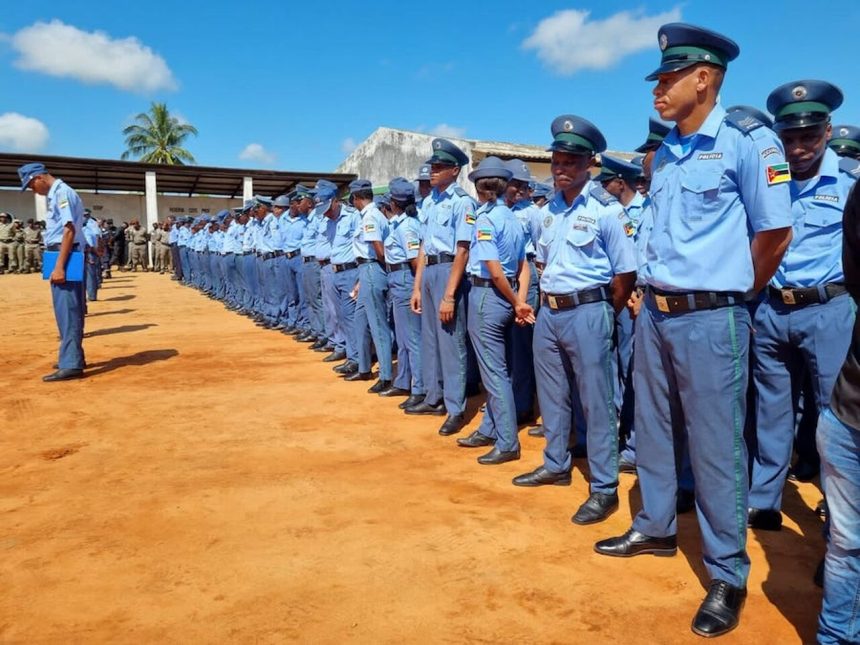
(157, 137)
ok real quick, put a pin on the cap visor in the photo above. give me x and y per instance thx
(799, 121)
(438, 160)
(667, 68)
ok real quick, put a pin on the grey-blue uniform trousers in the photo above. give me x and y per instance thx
(584, 246)
(522, 337)
(691, 367)
(294, 307)
(402, 243)
(311, 277)
(448, 218)
(793, 339)
(249, 265)
(340, 233)
(371, 312)
(497, 236)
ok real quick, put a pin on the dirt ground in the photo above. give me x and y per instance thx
(211, 481)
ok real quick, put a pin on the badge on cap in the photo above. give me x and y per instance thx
(799, 93)
(437, 145)
(664, 42)
(843, 132)
(568, 126)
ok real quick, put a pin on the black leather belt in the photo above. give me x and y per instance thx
(398, 266)
(346, 266)
(670, 302)
(324, 262)
(800, 297)
(442, 258)
(364, 260)
(291, 254)
(486, 282)
(226, 253)
(270, 255)
(309, 258)
(56, 247)
(570, 300)
(247, 253)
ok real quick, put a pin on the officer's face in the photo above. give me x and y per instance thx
(517, 191)
(613, 186)
(40, 185)
(443, 174)
(424, 187)
(804, 147)
(570, 170)
(306, 205)
(278, 210)
(676, 93)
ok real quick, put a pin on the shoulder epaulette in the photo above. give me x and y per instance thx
(850, 167)
(602, 195)
(743, 122)
(460, 191)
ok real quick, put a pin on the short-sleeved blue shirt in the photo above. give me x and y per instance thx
(498, 235)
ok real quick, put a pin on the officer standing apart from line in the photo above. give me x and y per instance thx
(589, 272)
(65, 214)
(440, 293)
(717, 179)
(804, 324)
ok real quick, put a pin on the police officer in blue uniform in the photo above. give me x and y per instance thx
(325, 194)
(845, 141)
(65, 214)
(657, 131)
(371, 313)
(499, 277)
(293, 224)
(448, 216)
(315, 329)
(717, 181)
(402, 243)
(422, 182)
(589, 272)
(92, 268)
(804, 324)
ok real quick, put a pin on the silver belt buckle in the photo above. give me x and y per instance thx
(662, 303)
(553, 303)
(788, 297)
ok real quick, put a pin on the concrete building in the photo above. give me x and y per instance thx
(389, 153)
(127, 190)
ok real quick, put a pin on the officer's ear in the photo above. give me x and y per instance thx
(828, 130)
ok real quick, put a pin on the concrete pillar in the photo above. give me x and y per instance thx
(151, 208)
(247, 188)
(41, 207)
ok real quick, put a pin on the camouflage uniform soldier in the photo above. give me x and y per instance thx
(32, 246)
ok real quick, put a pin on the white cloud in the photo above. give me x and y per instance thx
(58, 49)
(448, 131)
(256, 152)
(348, 145)
(568, 41)
(21, 133)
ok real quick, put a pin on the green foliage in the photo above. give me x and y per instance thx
(158, 137)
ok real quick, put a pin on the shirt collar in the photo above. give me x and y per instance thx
(709, 128)
(829, 164)
(54, 187)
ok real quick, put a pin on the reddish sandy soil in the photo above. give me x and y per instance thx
(211, 481)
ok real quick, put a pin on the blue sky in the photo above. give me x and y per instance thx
(306, 81)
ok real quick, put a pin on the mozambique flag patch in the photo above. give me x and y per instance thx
(369, 228)
(413, 245)
(64, 203)
(470, 218)
(778, 173)
(485, 234)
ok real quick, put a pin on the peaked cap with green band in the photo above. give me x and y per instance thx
(802, 104)
(684, 45)
(575, 135)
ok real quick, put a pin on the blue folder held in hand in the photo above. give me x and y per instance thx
(74, 267)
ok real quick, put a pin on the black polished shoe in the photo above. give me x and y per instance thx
(320, 345)
(394, 391)
(379, 386)
(818, 577)
(537, 431)
(803, 471)
(685, 501)
(412, 401)
(764, 519)
(63, 375)
(483, 408)
(358, 376)
(635, 543)
(596, 508)
(453, 424)
(347, 368)
(720, 610)
(540, 476)
(476, 440)
(335, 356)
(306, 337)
(626, 467)
(427, 408)
(496, 456)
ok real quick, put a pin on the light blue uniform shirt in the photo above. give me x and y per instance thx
(248, 235)
(173, 235)
(814, 256)
(584, 244)
(340, 232)
(498, 235)
(64, 206)
(214, 241)
(233, 238)
(640, 238)
(275, 228)
(91, 232)
(706, 201)
(293, 230)
(309, 235)
(374, 227)
(263, 240)
(449, 218)
(403, 240)
(183, 236)
(528, 214)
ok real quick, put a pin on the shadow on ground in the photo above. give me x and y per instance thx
(138, 359)
(118, 330)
